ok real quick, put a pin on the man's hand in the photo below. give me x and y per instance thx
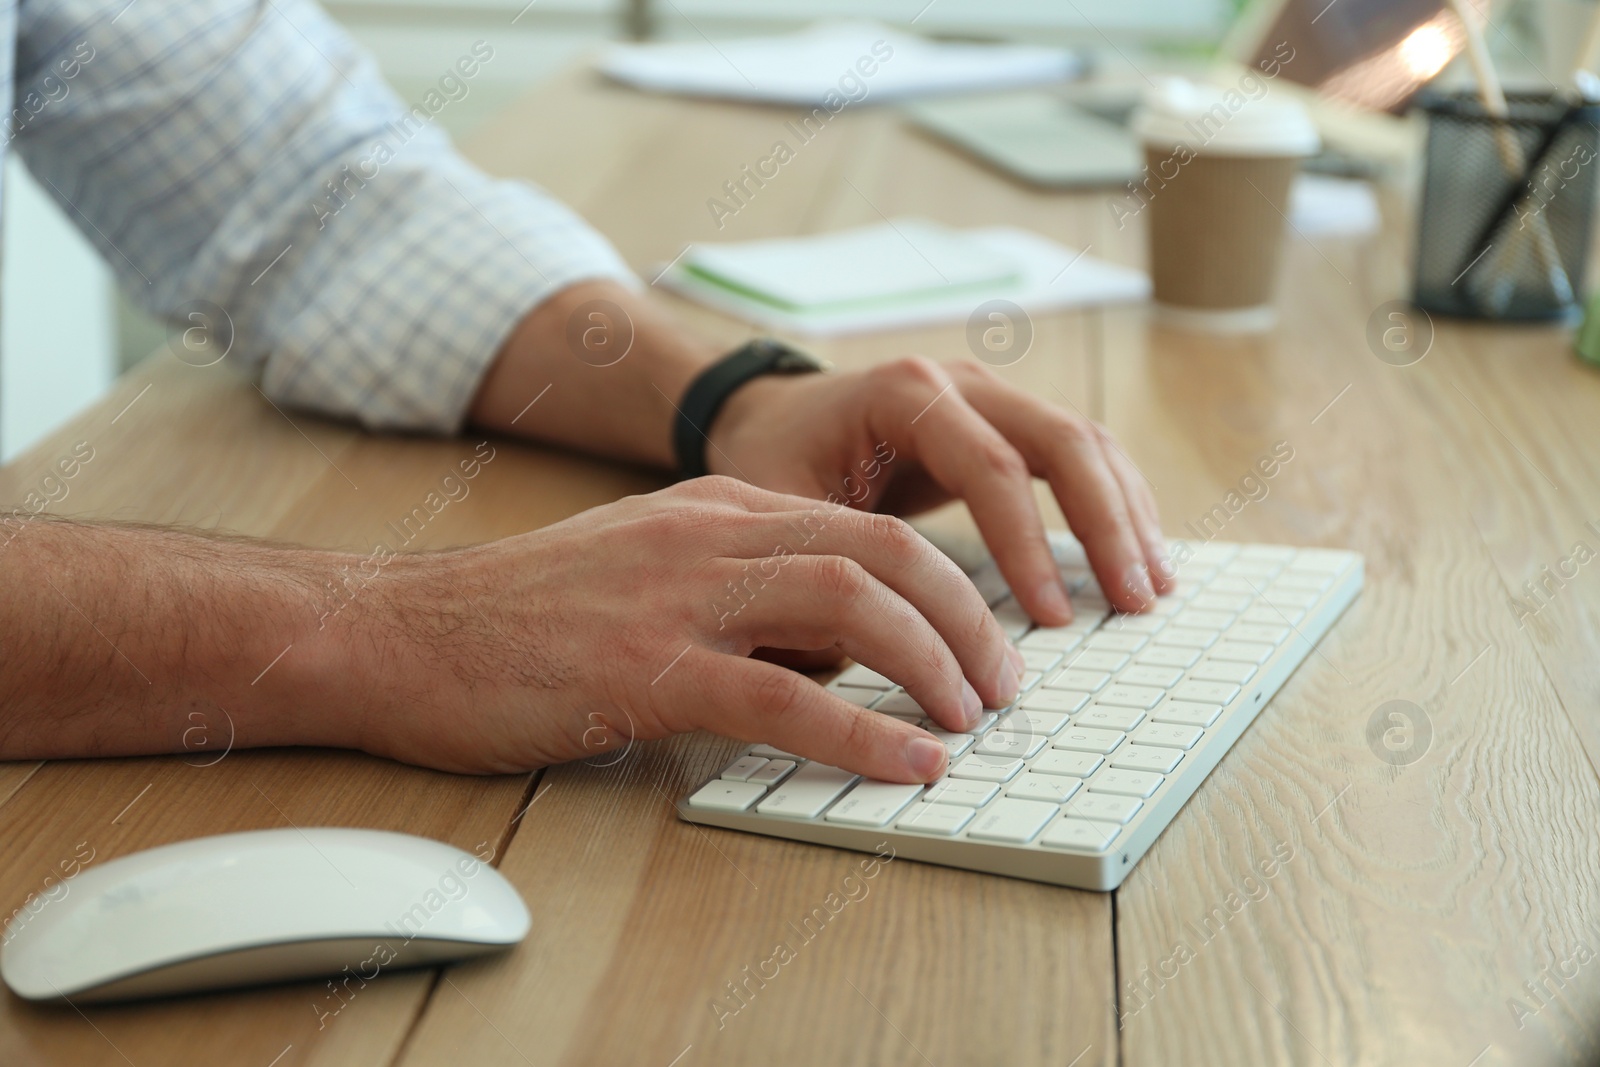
(636, 620)
(954, 431)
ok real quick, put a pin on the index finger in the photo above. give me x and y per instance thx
(966, 454)
(1067, 451)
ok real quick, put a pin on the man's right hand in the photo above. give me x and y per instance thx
(637, 620)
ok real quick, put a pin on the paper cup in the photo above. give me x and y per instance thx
(1215, 194)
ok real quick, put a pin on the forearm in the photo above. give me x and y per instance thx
(569, 355)
(121, 640)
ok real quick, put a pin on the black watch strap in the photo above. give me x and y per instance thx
(711, 389)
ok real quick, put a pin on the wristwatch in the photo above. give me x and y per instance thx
(711, 389)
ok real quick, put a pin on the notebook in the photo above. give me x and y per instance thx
(891, 275)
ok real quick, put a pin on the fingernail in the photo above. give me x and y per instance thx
(971, 706)
(926, 757)
(1164, 565)
(1053, 595)
(1009, 682)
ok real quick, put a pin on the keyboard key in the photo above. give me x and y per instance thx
(1084, 625)
(955, 744)
(1108, 717)
(1064, 701)
(1146, 623)
(961, 792)
(1116, 642)
(771, 753)
(1131, 696)
(1143, 674)
(1015, 743)
(1078, 739)
(1168, 735)
(1098, 660)
(1205, 620)
(1089, 606)
(1084, 681)
(1145, 758)
(1219, 693)
(1061, 639)
(1011, 820)
(1185, 590)
(1317, 559)
(1164, 606)
(1035, 721)
(1186, 636)
(1309, 581)
(1222, 671)
(1232, 583)
(985, 720)
(1126, 783)
(722, 795)
(1029, 680)
(1050, 787)
(987, 768)
(1242, 651)
(1284, 599)
(855, 694)
(1012, 619)
(943, 820)
(1186, 713)
(1256, 570)
(1080, 835)
(1107, 807)
(1210, 554)
(872, 804)
(1272, 616)
(773, 773)
(1258, 633)
(900, 704)
(1168, 656)
(1061, 763)
(1074, 576)
(808, 790)
(1272, 553)
(742, 768)
(1040, 659)
(864, 677)
(1234, 602)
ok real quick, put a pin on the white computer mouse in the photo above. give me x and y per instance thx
(263, 906)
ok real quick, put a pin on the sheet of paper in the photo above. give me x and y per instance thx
(1046, 276)
(832, 65)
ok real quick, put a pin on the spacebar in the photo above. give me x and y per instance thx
(807, 791)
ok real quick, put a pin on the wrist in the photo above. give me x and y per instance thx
(746, 408)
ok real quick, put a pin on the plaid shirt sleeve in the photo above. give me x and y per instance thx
(248, 154)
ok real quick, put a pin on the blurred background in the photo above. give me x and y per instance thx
(67, 333)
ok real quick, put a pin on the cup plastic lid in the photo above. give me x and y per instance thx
(1225, 120)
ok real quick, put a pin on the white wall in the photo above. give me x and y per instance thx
(57, 348)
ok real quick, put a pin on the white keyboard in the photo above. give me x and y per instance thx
(1120, 719)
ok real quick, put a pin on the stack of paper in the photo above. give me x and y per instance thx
(900, 273)
(831, 65)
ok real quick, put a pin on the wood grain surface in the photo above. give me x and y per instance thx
(1313, 904)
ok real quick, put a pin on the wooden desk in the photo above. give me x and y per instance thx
(1415, 901)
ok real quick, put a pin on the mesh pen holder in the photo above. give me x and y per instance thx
(1506, 207)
